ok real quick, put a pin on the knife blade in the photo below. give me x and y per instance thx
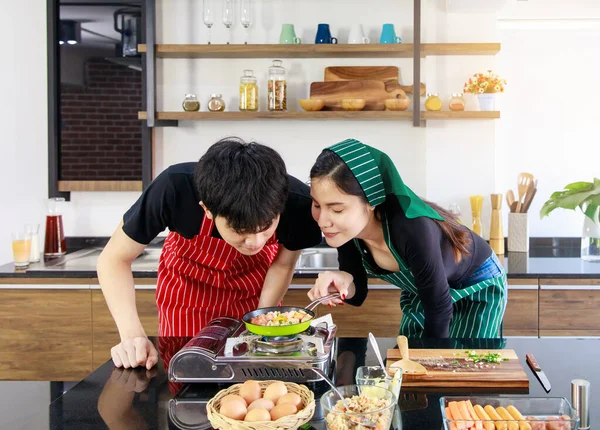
(539, 373)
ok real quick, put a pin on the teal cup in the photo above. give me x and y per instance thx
(388, 34)
(288, 35)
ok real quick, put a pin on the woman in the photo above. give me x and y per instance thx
(452, 283)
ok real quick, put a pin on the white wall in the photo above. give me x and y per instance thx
(548, 125)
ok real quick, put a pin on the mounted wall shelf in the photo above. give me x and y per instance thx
(320, 115)
(66, 186)
(403, 50)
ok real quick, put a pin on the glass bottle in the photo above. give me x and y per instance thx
(433, 102)
(216, 103)
(457, 102)
(191, 103)
(248, 92)
(277, 87)
(476, 207)
(55, 244)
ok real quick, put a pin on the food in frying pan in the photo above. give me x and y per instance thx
(276, 318)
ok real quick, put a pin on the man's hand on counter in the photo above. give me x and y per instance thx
(134, 352)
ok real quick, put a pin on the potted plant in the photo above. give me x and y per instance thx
(585, 196)
(485, 85)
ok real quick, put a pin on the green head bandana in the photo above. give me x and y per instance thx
(378, 177)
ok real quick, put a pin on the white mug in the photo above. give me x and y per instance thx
(357, 35)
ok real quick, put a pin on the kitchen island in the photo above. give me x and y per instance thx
(132, 399)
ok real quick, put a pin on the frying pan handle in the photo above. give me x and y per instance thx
(317, 302)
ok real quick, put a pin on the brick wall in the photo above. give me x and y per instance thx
(101, 135)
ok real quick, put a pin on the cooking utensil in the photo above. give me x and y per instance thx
(539, 373)
(377, 353)
(523, 182)
(406, 364)
(284, 330)
(510, 198)
(357, 419)
(529, 197)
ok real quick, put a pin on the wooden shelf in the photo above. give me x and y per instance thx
(361, 115)
(403, 50)
(65, 186)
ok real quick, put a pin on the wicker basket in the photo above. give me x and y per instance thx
(221, 422)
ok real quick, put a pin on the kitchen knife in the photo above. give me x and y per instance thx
(539, 373)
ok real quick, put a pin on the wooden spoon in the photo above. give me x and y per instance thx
(407, 365)
(523, 180)
(510, 198)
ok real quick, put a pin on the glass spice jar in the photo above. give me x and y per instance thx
(248, 92)
(191, 103)
(277, 87)
(457, 102)
(216, 103)
(433, 102)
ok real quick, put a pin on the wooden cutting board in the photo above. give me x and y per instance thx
(387, 74)
(448, 368)
(374, 92)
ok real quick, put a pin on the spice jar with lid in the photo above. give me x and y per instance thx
(248, 92)
(191, 103)
(433, 102)
(277, 87)
(216, 103)
(457, 102)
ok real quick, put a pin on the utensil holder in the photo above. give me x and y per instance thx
(518, 232)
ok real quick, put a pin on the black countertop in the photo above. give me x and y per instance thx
(132, 399)
(547, 258)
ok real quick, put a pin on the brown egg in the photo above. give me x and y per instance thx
(234, 409)
(274, 391)
(229, 397)
(261, 404)
(292, 399)
(258, 415)
(250, 391)
(283, 411)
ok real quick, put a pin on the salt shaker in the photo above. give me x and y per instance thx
(580, 400)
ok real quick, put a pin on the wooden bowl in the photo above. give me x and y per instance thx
(396, 104)
(311, 104)
(353, 104)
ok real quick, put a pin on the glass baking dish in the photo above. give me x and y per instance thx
(553, 413)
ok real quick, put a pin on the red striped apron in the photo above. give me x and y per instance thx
(203, 278)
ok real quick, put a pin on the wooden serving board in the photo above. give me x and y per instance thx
(448, 368)
(374, 92)
(387, 74)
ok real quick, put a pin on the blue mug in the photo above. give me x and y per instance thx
(388, 34)
(324, 35)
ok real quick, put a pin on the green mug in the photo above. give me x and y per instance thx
(288, 35)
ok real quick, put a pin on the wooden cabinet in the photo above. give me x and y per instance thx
(45, 334)
(569, 307)
(105, 334)
(521, 316)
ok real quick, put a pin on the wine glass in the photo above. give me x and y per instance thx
(246, 16)
(228, 17)
(209, 16)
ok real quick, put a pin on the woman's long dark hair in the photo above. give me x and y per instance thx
(330, 165)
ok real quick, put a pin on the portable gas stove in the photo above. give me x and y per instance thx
(224, 351)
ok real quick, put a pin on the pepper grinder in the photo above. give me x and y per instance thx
(496, 233)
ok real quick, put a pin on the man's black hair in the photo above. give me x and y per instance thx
(244, 182)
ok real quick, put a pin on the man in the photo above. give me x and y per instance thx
(237, 224)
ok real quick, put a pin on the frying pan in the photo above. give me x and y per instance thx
(284, 330)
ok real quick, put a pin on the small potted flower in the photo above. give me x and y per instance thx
(485, 85)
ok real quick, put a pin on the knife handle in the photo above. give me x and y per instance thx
(532, 362)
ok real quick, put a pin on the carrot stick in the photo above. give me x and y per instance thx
(451, 420)
(478, 424)
(462, 406)
(461, 425)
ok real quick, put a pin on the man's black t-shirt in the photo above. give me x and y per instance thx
(172, 201)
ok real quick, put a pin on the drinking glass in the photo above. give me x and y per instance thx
(21, 246)
(228, 17)
(208, 16)
(246, 17)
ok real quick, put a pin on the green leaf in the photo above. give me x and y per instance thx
(575, 195)
(579, 186)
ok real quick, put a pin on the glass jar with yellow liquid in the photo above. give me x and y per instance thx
(248, 92)
(433, 102)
